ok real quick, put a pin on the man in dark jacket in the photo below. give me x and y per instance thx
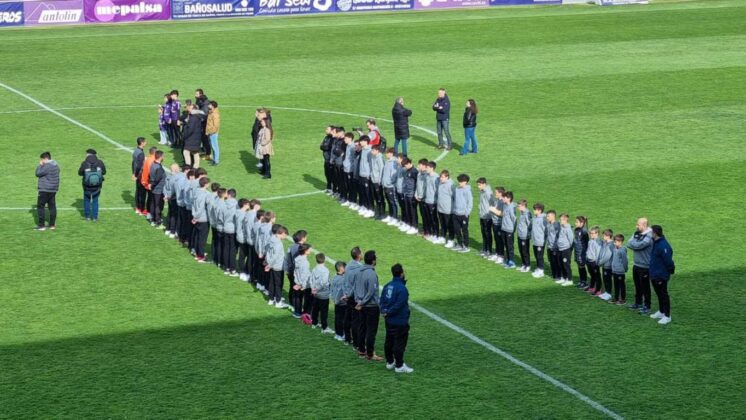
(156, 182)
(48, 173)
(442, 108)
(192, 134)
(138, 160)
(366, 300)
(92, 170)
(400, 116)
(395, 311)
(203, 103)
(661, 268)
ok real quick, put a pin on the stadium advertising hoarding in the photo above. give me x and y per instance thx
(370, 5)
(53, 12)
(11, 14)
(292, 7)
(442, 4)
(114, 11)
(523, 2)
(195, 9)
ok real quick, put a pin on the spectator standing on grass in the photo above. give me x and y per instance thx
(661, 269)
(92, 170)
(144, 177)
(138, 160)
(259, 115)
(156, 182)
(400, 115)
(202, 103)
(395, 311)
(264, 148)
(470, 127)
(171, 112)
(641, 244)
(163, 111)
(48, 173)
(212, 129)
(442, 108)
(192, 135)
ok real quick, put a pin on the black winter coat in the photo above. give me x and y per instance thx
(401, 116)
(470, 120)
(192, 133)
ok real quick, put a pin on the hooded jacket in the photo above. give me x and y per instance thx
(49, 176)
(409, 183)
(661, 260)
(199, 208)
(485, 195)
(228, 216)
(376, 168)
(320, 281)
(401, 115)
(349, 283)
(445, 196)
(157, 179)
(390, 173)
(92, 161)
(463, 201)
(642, 245)
(619, 260)
(302, 274)
(337, 289)
(192, 132)
(275, 253)
(395, 302)
(538, 230)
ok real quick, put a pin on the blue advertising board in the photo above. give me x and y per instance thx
(370, 5)
(11, 14)
(291, 7)
(198, 9)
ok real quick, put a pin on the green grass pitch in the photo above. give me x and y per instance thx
(613, 113)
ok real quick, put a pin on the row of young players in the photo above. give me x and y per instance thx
(247, 243)
(360, 179)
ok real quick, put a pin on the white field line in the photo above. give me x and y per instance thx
(507, 356)
(318, 111)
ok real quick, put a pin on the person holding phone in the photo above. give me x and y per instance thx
(442, 108)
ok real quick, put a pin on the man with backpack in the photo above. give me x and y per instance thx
(92, 170)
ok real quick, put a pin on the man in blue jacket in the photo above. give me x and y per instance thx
(395, 310)
(661, 268)
(442, 108)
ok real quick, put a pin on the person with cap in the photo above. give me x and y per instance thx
(92, 170)
(400, 115)
(395, 310)
(48, 173)
(661, 269)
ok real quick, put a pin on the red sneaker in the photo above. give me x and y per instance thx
(375, 358)
(144, 213)
(591, 291)
(598, 293)
(621, 302)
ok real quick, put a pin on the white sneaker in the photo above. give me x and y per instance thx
(492, 257)
(393, 222)
(390, 366)
(339, 338)
(362, 210)
(281, 305)
(403, 228)
(449, 244)
(369, 214)
(354, 206)
(464, 249)
(313, 326)
(559, 281)
(400, 223)
(441, 241)
(404, 369)
(567, 283)
(242, 276)
(499, 260)
(412, 231)
(386, 219)
(271, 302)
(605, 296)
(665, 320)
(538, 274)
(266, 293)
(657, 315)
(327, 330)
(172, 236)
(346, 204)
(259, 165)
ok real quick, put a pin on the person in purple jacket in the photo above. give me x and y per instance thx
(164, 110)
(173, 106)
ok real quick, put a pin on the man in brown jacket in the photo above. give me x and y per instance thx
(212, 129)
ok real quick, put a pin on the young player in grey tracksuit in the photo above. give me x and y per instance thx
(401, 173)
(199, 220)
(591, 259)
(431, 194)
(366, 299)
(507, 228)
(564, 246)
(302, 275)
(389, 180)
(604, 261)
(320, 288)
(619, 266)
(337, 295)
(364, 171)
(496, 208)
(552, 233)
(523, 229)
(446, 191)
(463, 201)
(275, 258)
(538, 238)
(485, 216)
(227, 221)
(419, 193)
(352, 321)
(376, 175)
(218, 234)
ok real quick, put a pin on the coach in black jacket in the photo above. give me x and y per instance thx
(192, 134)
(92, 170)
(401, 125)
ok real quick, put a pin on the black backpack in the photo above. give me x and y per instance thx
(381, 142)
(92, 177)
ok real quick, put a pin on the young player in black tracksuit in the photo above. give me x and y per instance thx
(581, 248)
(326, 153)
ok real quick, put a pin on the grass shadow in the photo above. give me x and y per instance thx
(426, 140)
(156, 137)
(78, 204)
(249, 161)
(314, 181)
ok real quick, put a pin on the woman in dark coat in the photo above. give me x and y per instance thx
(401, 125)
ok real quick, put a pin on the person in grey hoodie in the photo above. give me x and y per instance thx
(389, 180)
(552, 232)
(340, 303)
(604, 261)
(463, 201)
(295, 296)
(169, 195)
(498, 204)
(352, 321)
(301, 279)
(446, 190)
(641, 244)
(619, 266)
(431, 196)
(48, 184)
(248, 224)
(538, 238)
(401, 173)
(227, 220)
(376, 177)
(347, 169)
(485, 219)
(507, 228)
(275, 258)
(320, 289)
(591, 258)
(218, 234)
(366, 302)
(523, 230)
(199, 219)
(366, 195)
(419, 193)
(564, 246)
(239, 220)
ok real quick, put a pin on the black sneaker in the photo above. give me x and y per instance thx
(644, 310)
(633, 306)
